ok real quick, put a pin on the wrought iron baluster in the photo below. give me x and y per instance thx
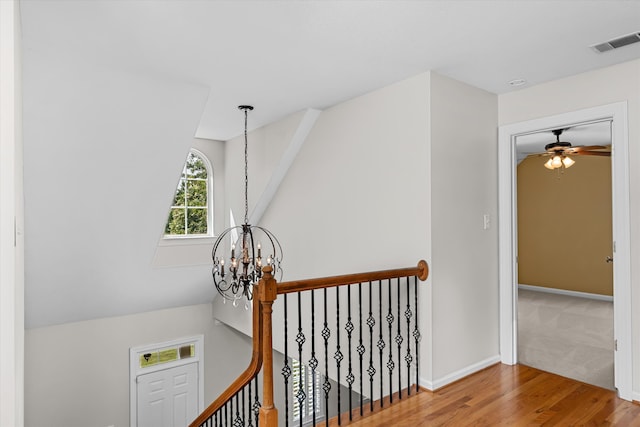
(399, 343)
(416, 331)
(326, 386)
(360, 347)
(313, 362)
(300, 339)
(371, 370)
(244, 420)
(237, 422)
(381, 343)
(286, 369)
(390, 364)
(256, 403)
(338, 354)
(349, 329)
(408, 357)
(249, 417)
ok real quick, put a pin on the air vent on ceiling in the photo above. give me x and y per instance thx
(617, 42)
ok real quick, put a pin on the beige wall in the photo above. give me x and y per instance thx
(618, 83)
(77, 374)
(564, 225)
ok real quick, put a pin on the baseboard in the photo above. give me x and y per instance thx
(455, 376)
(565, 292)
(636, 396)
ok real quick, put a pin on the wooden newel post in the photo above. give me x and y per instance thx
(267, 293)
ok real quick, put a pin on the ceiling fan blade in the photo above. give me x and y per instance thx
(589, 148)
(592, 153)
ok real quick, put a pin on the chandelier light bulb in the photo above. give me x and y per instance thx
(556, 162)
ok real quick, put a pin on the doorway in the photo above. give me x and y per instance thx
(508, 134)
(565, 270)
(166, 383)
(168, 397)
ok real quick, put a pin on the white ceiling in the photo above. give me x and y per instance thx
(114, 92)
(285, 56)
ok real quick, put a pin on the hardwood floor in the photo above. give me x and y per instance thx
(503, 395)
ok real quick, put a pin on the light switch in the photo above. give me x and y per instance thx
(486, 221)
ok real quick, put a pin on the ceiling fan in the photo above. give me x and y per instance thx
(559, 151)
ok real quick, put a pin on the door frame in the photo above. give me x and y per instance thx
(507, 216)
(135, 370)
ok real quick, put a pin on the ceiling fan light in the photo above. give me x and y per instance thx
(568, 162)
(556, 162)
(548, 164)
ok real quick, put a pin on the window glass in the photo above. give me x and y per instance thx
(189, 213)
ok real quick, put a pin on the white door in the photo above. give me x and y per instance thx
(168, 398)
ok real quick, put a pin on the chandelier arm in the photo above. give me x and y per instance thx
(275, 243)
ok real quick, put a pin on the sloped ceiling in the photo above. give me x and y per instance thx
(103, 150)
(114, 92)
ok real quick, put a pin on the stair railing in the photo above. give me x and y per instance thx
(240, 406)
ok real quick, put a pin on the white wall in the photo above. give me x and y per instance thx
(356, 197)
(11, 219)
(364, 194)
(266, 146)
(464, 271)
(605, 86)
(77, 374)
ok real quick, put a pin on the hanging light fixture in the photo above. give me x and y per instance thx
(558, 161)
(234, 278)
(557, 151)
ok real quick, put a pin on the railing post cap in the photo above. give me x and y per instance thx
(424, 270)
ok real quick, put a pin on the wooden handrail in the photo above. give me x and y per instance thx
(421, 271)
(265, 293)
(249, 374)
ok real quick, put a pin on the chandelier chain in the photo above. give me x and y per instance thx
(246, 173)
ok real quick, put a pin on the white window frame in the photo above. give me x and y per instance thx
(174, 238)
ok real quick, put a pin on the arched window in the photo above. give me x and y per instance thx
(191, 210)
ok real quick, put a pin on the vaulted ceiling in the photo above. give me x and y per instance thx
(114, 92)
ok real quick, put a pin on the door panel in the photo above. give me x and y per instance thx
(168, 398)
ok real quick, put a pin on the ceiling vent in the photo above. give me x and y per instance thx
(616, 43)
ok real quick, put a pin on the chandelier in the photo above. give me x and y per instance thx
(235, 276)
